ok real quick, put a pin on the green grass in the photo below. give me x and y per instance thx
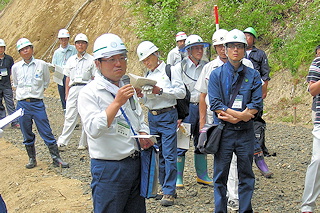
(3, 4)
(287, 30)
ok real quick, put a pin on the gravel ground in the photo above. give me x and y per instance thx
(282, 193)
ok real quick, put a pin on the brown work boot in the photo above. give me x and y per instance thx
(167, 200)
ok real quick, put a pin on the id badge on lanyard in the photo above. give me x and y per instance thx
(78, 79)
(123, 128)
(237, 104)
(4, 71)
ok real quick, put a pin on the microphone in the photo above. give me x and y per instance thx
(126, 80)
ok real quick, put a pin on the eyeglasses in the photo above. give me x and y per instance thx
(115, 60)
(233, 46)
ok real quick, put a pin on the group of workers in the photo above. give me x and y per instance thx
(111, 114)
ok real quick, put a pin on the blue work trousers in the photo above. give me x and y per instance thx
(35, 111)
(62, 92)
(165, 125)
(241, 142)
(116, 186)
(193, 119)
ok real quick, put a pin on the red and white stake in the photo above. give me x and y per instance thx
(216, 15)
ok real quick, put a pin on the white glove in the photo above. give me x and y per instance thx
(147, 89)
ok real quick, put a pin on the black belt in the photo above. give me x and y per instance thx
(78, 84)
(160, 111)
(194, 103)
(134, 155)
(31, 100)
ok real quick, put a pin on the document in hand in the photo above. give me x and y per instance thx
(183, 136)
(11, 117)
(151, 137)
(138, 81)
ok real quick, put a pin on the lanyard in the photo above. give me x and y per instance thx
(127, 119)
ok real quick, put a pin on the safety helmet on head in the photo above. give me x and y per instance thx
(108, 45)
(23, 42)
(2, 43)
(219, 37)
(237, 36)
(81, 37)
(63, 33)
(251, 31)
(145, 49)
(194, 40)
(181, 36)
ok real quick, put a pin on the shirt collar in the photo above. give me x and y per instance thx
(231, 67)
(160, 67)
(28, 64)
(85, 57)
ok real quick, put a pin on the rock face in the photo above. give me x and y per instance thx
(282, 193)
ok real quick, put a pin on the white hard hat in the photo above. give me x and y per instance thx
(63, 33)
(2, 43)
(23, 42)
(219, 37)
(81, 37)
(236, 35)
(145, 49)
(194, 40)
(181, 36)
(108, 45)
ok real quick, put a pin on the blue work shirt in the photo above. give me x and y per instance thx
(223, 80)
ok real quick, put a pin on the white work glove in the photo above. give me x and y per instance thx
(147, 91)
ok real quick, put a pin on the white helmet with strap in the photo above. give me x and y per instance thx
(23, 42)
(219, 37)
(145, 49)
(63, 33)
(236, 36)
(2, 43)
(181, 36)
(108, 45)
(81, 37)
(194, 40)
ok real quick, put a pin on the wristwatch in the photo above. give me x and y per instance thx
(161, 91)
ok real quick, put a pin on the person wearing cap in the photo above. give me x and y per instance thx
(260, 62)
(190, 69)
(60, 58)
(175, 56)
(6, 63)
(106, 112)
(31, 77)
(238, 134)
(160, 101)
(80, 70)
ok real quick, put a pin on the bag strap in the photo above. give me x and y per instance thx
(238, 85)
(168, 71)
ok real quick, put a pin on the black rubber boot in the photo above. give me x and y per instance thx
(57, 161)
(31, 150)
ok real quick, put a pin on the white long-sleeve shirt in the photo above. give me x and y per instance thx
(105, 142)
(30, 79)
(172, 90)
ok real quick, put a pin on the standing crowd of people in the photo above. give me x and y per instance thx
(228, 90)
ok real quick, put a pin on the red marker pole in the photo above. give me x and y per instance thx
(216, 15)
